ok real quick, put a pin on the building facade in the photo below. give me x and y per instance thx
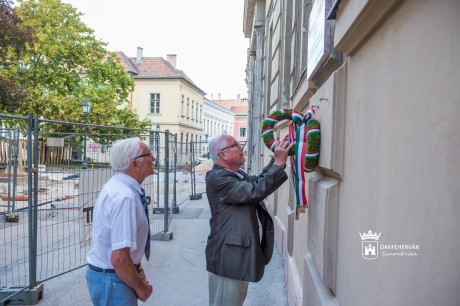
(166, 96)
(382, 217)
(229, 115)
(217, 118)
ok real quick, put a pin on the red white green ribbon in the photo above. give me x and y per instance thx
(269, 130)
(298, 133)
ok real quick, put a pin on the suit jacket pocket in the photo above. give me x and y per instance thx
(236, 256)
(238, 240)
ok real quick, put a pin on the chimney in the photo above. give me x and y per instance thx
(139, 55)
(238, 97)
(172, 59)
(218, 96)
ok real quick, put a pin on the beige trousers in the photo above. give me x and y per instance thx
(225, 291)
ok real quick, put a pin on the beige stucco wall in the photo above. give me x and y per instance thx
(388, 158)
(400, 161)
(171, 92)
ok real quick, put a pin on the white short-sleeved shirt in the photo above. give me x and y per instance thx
(119, 221)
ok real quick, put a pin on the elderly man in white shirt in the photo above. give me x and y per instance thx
(121, 229)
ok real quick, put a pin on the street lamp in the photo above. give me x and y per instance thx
(86, 107)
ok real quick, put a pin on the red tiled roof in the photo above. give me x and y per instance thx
(240, 109)
(225, 103)
(237, 106)
(153, 68)
(126, 62)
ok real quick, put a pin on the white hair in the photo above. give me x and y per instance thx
(217, 143)
(123, 151)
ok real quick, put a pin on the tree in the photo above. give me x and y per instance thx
(14, 37)
(67, 65)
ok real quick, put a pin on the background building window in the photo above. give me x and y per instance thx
(242, 132)
(181, 142)
(193, 108)
(186, 143)
(182, 110)
(154, 103)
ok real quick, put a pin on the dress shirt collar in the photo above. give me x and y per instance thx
(129, 181)
(237, 173)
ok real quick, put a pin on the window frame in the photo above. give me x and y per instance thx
(244, 130)
(155, 103)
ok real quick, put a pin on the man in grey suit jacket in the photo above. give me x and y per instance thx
(236, 252)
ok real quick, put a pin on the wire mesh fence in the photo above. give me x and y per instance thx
(14, 236)
(51, 173)
(194, 163)
(201, 161)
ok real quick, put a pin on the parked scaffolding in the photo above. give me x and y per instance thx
(51, 173)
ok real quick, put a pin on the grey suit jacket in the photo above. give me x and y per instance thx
(235, 248)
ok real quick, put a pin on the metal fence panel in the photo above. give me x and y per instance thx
(55, 186)
(74, 177)
(201, 163)
(15, 183)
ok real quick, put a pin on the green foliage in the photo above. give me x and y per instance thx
(67, 65)
(14, 37)
(11, 95)
(314, 144)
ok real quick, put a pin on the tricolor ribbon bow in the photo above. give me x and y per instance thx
(298, 133)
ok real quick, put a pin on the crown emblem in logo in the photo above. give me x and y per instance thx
(370, 235)
(370, 244)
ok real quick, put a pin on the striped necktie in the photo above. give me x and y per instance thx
(146, 208)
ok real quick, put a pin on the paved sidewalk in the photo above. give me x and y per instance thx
(177, 269)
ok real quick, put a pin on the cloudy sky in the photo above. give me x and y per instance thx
(206, 35)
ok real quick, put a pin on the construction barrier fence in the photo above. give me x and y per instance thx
(51, 173)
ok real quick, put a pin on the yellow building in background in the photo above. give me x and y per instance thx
(165, 95)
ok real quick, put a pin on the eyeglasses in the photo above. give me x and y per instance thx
(236, 144)
(143, 155)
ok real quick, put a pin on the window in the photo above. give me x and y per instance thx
(182, 109)
(154, 103)
(186, 143)
(196, 116)
(188, 102)
(201, 113)
(193, 108)
(242, 132)
(181, 142)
